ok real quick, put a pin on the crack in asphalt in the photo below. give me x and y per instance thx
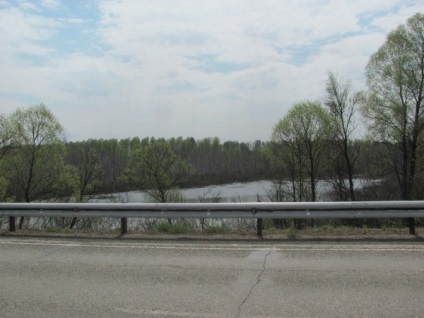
(258, 280)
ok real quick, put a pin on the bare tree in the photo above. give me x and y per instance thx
(342, 104)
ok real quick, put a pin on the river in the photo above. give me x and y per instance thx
(233, 192)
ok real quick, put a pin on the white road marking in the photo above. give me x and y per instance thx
(173, 314)
(161, 313)
(221, 247)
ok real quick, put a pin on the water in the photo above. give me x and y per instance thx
(233, 192)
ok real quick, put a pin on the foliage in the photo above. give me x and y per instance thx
(213, 161)
(3, 187)
(292, 232)
(36, 162)
(87, 170)
(6, 143)
(158, 171)
(393, 104)
(6, 135)
(177, 228)
(305, 132)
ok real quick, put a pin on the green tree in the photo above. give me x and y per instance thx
(394, 101)
(36, 163)
(6, 143)
(6, 136)
(87, 170)
(305, 132)
(158, 171)
(87, 174)
(284, 167)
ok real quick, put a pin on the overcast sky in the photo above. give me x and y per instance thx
(190, 68)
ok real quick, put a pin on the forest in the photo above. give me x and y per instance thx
(314, 141)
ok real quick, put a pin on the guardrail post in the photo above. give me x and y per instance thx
(411, 222)
(124, 226)
(12, 223)
(259, 227)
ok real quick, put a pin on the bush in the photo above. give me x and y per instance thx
(292, 232)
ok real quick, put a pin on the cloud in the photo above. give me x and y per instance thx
(23, 32)
(117, 69)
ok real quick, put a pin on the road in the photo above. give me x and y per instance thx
(117, 278)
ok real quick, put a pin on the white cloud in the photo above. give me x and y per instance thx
(51, 4)
(391, 21)
(22, 32)
(191, 68)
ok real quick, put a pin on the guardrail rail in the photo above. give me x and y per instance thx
(258, 210)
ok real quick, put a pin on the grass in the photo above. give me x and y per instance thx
(215, 229)
(177, 228)
(53, 229)
(292, 232)
(393, 228)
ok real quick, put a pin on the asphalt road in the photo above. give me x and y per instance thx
(115, 278)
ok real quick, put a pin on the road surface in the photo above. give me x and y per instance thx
(117, 278)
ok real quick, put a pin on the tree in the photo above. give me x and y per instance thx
(6, 136)
(341, 103)
(305, 131)
(6, 143)
(394, 101)
(87, 169)
(87, 174)
(158, 171)
(36, 163)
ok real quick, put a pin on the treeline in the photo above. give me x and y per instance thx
(213, 162)
(49, 168)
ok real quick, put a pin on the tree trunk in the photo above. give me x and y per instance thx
(73, 222)
(21, 222)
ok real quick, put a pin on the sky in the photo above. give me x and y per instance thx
(191, 68)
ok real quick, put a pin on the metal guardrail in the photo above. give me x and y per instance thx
(258, 210)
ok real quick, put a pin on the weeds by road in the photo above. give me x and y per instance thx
(177, 231)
